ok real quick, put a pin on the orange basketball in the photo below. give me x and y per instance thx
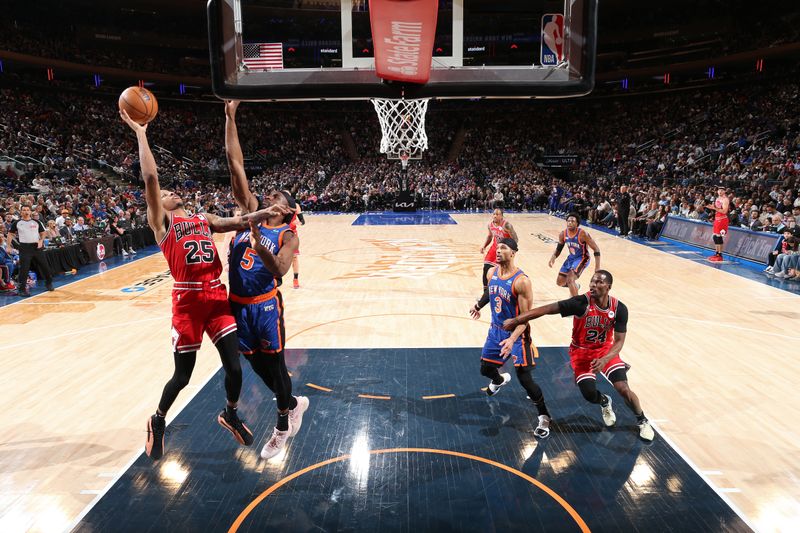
(140, 104)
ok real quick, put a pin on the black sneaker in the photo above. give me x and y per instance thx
(49, 287)
(25, 291)
(235, 425)
(154, 447)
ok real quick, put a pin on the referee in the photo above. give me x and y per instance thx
(30, 234)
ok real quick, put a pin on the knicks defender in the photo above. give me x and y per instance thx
(599, 325)
(499, 228)
(199, 299)
(721, 207)
(509, 293)
(258, 259)
(298, 215)
(577, 240)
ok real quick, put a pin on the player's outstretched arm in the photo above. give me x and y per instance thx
(590, 242)
(152, 190)
(533, 314)
(240, 222)
(277, 264)
(233, 152)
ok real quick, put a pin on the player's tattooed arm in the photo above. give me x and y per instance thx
(277, 264)
(510, 229)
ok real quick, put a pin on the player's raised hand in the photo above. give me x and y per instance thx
(135, 126)
(230, 108)
(255, 235)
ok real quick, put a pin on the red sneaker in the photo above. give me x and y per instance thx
(296, 284)
(715, 258)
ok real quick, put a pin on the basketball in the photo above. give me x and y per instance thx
(140, 104)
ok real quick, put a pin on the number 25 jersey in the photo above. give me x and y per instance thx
(190, 251)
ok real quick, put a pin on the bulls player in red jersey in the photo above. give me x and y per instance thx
(598, 334)
(199, 299)
(499, 229)
(721, 207)
(298, 216)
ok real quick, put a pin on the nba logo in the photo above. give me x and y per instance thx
(552, 39)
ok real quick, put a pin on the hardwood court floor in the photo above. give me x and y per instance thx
(712, 354)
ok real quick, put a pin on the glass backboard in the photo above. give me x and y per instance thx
(323, 50)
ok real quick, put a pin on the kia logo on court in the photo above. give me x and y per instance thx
(101, 251)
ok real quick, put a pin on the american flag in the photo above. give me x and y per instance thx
(263, 56)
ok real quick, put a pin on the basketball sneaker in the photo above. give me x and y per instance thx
(609, 418)
(715, 258)
(646, 430)
(154, 447)
(492, 389)
(295, 284)
(276, 443)
(543, 429)
(232, 422)
(296, 414)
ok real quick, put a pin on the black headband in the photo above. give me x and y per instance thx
(511, 243)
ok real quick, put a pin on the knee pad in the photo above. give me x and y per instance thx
(718, 239)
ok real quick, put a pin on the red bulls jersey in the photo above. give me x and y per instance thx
(594, 329)
(498, 233)
(190, 250)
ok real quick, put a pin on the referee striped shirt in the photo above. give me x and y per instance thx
(27, 231)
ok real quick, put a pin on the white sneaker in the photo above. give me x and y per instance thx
(543, 429)
(781, 275)
(492, 389)
(132, 251)
(296, 414)
(646, 431)
(124, 253)
(609, 418)
(276, 443)
(768, 269)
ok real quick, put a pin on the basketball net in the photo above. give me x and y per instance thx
(402, 127)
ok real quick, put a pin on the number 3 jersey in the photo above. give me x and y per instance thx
(190, 250)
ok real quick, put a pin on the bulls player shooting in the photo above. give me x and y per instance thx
(598, 333)
(199, 299)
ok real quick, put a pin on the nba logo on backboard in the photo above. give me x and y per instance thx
(552, 39)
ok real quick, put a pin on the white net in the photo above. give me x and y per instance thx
(403, 126)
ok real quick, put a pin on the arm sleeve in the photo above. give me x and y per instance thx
(574, 306)
(484, 299)
(621, 320)
(301, 218)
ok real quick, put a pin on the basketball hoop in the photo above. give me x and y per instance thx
(402, 127)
